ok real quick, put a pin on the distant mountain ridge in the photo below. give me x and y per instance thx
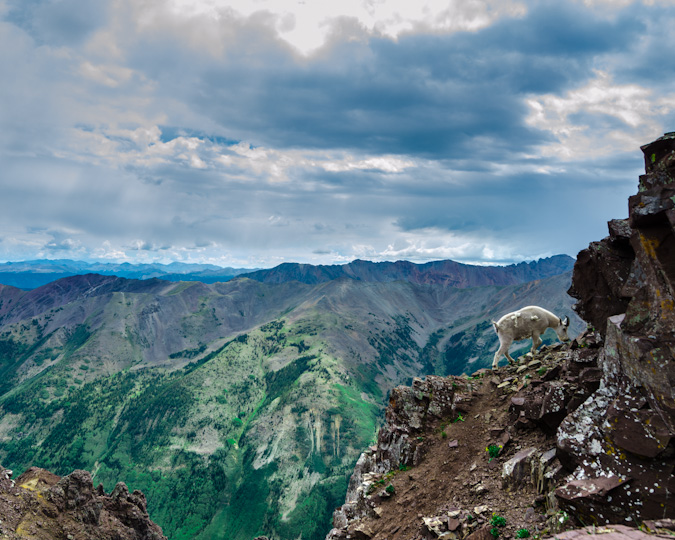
(448, 273)
(35, 273)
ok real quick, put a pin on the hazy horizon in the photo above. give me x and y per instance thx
(158, 263)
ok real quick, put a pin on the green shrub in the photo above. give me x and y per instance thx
(498, 521)
(390, 489)
(493, 451)
(522, 533)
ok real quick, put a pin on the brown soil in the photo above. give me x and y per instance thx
(464, 477)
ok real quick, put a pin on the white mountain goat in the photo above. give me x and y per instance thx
(531, 321)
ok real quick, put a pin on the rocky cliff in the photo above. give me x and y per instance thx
(578, 434)
(42, 506)
(625, 431)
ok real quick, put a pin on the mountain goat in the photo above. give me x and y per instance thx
(531, 321)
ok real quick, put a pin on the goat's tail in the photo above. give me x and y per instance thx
(494, 323)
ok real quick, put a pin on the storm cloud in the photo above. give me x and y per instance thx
(222, 134)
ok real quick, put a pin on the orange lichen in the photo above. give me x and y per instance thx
(649, 245)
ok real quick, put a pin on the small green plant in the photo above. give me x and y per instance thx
(493, 451)
(522, 533)
(444, 435)
(470, 518)
(403, 467)
(390, 489)
(459, 418)
(375, 485)
(541, 371)
(497, 520)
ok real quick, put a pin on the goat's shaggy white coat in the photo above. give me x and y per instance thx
(529, 322)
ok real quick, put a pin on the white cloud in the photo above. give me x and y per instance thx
(431, 243)
(600, 118)
(387, 164)
(143, 147)
(307, 24)
(107, 75)
(109, 252)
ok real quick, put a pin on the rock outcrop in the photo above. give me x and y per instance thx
(620, 441)
(575, 435)
(43, 506)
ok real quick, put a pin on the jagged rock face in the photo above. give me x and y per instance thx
(620, 441)
(43, 506)
(409, 408)
(547, 402)
(399, 444)
(601, 276)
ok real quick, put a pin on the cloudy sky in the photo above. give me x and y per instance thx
(252, 132)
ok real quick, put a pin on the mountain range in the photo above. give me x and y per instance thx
(32, 274)
(35, 273)
(447, 273)
(240, 407)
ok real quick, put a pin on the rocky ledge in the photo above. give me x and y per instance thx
(43, 506)
(578, 434)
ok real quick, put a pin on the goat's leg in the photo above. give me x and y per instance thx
(495, 360)
(536, 341)
(503, 350)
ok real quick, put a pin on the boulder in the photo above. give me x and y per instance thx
(516, 471)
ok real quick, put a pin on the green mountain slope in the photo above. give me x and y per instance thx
(238, 408)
